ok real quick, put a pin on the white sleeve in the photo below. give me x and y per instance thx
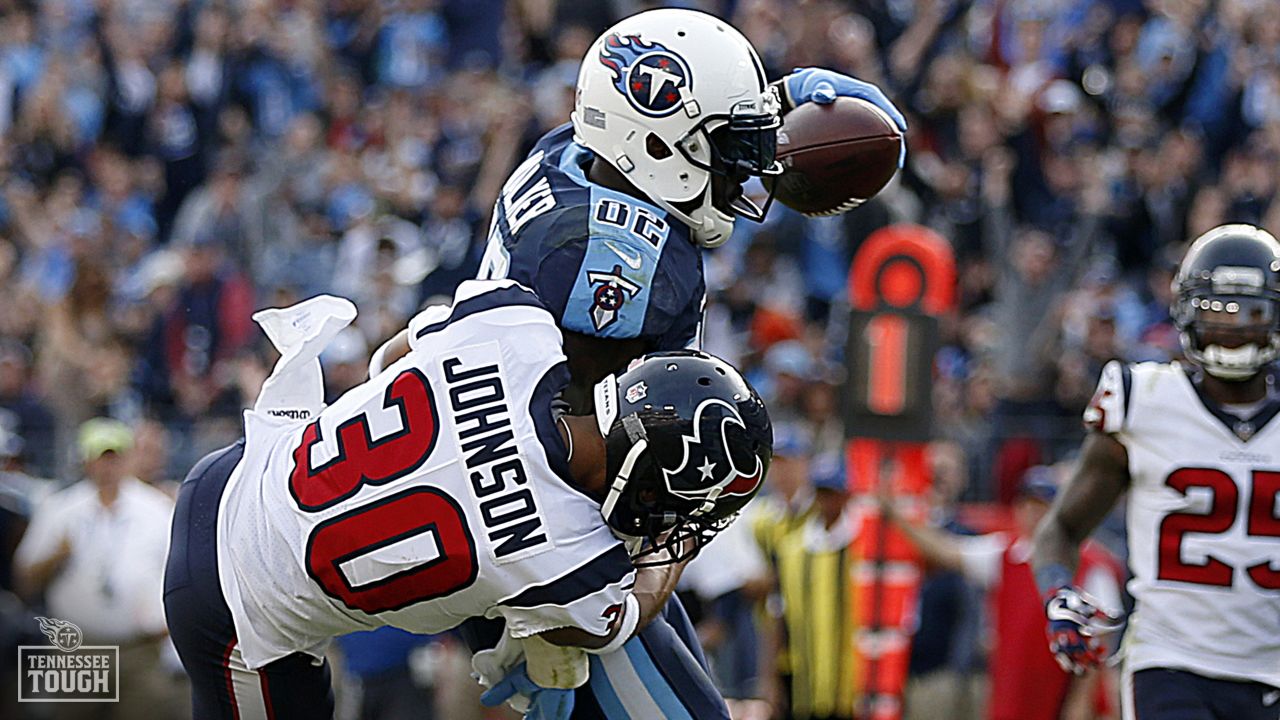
(1106, 411)
(981, 557)
(43, 535)
(590, 597)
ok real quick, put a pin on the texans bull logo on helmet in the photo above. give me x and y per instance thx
(708, 469)
(650, 76)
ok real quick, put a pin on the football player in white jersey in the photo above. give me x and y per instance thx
(1197, 448)
(448, 487)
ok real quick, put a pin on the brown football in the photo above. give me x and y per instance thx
(835, 157)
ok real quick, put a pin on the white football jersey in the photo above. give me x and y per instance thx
(1204, 534)
(433, 493)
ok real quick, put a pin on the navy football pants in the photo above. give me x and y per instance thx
(222, 687)
(1160, 694)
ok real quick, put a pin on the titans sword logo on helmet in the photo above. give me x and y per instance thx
(650, 76)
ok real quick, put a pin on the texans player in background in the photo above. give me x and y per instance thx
(1197, 447)
(607, 219)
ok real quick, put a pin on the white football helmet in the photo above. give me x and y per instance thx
(672, 97)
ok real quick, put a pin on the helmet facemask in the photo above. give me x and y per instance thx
(742, 145)
(1231, 336)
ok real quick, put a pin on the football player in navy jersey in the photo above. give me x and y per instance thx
(607, 216)
(606, 220)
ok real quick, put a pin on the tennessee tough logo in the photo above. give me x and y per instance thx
(650, 76)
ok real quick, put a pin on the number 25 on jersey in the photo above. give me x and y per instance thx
(1261, 521)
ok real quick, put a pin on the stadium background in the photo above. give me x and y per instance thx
(166, 167)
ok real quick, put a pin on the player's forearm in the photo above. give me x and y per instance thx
(1054, 555)
(1100, 478)
(654, 586)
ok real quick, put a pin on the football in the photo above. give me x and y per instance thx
(835, 157)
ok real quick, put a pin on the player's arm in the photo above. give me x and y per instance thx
(654, 586)
(1076, 620)
(590, 360)
(389, 352)
(1100, 478)
(555, 661)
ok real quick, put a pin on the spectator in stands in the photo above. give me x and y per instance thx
(19, 493)
(782, 507)
(23, 411)
(1026, 682)
(787, 499)
(95, 553)
(223, 211)
(814, 567)
(149, 458)
(196, 338)
(722, 587)
(945, 652)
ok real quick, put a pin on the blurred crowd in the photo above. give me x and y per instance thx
(169, 166)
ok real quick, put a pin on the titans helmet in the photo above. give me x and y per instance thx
(673, 97)
(688, 443)
(1226, 302)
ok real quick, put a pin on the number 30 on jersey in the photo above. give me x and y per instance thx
(347, 555)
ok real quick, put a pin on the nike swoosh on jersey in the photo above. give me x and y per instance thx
(632, 261)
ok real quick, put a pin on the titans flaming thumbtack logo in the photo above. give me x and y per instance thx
(67, 671)
(651, 77)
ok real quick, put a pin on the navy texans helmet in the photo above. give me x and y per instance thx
(687, 444)
(1226, 302)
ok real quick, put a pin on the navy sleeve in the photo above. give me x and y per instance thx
(610, 284)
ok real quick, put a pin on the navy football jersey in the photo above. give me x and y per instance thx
(607, 264)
